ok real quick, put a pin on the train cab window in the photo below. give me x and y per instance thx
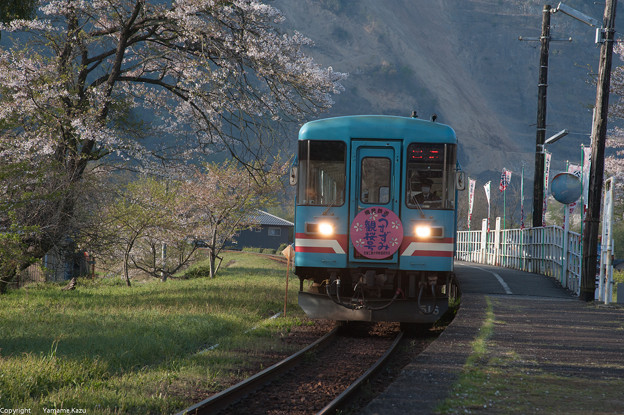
(430, 176)
(375, 180)
(321, 173)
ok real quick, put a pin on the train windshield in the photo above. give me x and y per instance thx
(321, 173)
(430, 176)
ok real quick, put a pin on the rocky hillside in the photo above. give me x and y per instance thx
(462, 60)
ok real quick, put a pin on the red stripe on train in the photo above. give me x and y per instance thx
(448, 254)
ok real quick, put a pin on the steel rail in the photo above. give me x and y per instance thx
(334, 405)
(221, 400)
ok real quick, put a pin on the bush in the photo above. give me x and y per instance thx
(260, 250)
(281, 248)
(197, 271)
(251, 249)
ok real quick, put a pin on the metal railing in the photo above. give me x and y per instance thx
(549, 250)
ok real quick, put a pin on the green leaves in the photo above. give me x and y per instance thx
(17, 9)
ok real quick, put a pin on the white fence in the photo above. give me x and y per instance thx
(549, 250)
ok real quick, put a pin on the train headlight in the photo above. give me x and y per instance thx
(423, 231)
(325, 228)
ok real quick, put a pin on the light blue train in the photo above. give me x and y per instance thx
(375, 218)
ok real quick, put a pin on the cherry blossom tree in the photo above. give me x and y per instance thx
(614, 159)
(145, 214)
(29, 197)
(206, 75)
(212, 74)
(212, 206)
(223, 198)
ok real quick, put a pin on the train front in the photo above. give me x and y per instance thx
(375, 218)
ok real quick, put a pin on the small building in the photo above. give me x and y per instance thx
(268, 231)
(59, 264)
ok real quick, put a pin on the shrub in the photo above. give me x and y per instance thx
(197, 271)
(251, 249)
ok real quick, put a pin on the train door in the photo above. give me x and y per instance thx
(375, 228)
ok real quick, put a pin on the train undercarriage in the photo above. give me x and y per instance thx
(369, 294)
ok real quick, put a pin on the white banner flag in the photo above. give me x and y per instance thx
(547, 158)
(486, 187)
(522, 199)
(586, 168)
(471, 192)
(576, 170)
(505, 180)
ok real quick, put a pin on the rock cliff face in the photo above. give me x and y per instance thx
(462, 60)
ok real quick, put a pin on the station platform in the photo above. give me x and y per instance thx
(541, 350)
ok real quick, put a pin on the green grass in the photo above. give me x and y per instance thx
(618, 276)
(108, 348)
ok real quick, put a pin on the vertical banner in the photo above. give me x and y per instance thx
(576, 170)
(486, 187)
(505, 180)
(522, 199)
(571, 208)
(471, 192)
(547, 157)
(585, 179)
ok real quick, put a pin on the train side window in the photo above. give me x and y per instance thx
(451, 167)
(321, 173)
(428, 176)
(375, 180)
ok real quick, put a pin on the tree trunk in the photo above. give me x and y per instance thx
(212, 263)
(163, 272)
(5, 280)
(125, 268)
(9, 274)
(213, 252)
(219, 264)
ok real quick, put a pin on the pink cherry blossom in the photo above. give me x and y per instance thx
(209, 75)
(214, 76)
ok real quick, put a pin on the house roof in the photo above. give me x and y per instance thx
(264, 218)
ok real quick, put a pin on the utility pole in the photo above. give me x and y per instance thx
(538, 178)
(598, 136)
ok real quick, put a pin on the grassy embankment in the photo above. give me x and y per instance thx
(108, 348)
(618, 277)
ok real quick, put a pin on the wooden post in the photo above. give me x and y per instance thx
(289, 253)
(596, 174)
(540, 137)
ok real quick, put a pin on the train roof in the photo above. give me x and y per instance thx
(377, 127)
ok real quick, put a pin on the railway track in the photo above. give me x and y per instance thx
(317, 380)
